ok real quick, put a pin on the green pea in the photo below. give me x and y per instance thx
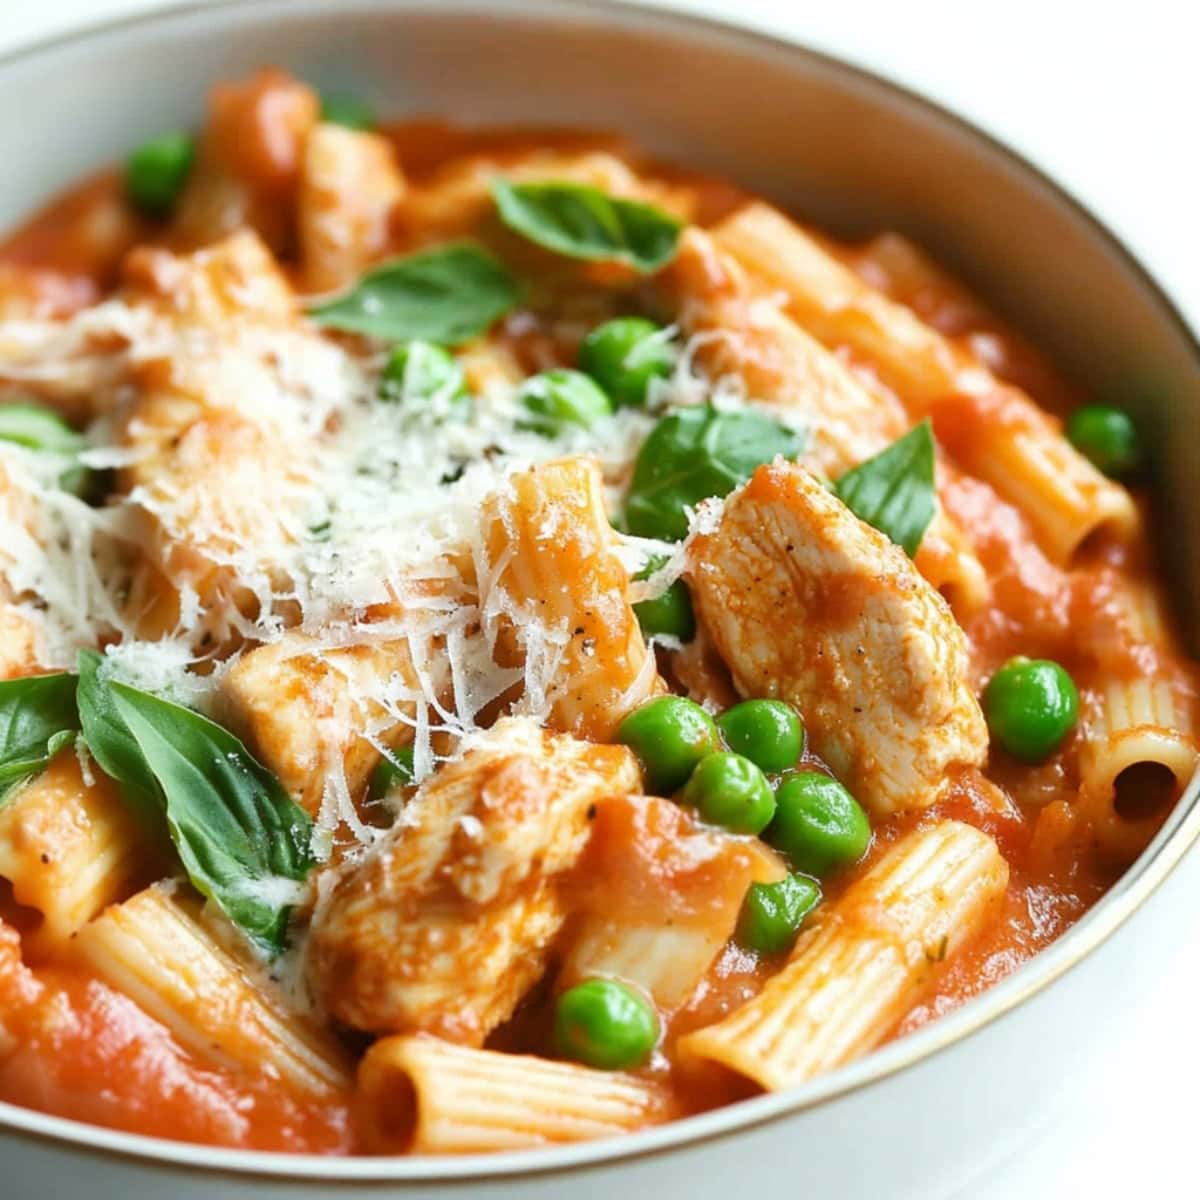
(818, 824)
(157, 170)
(670, 734)
(391, 773)
(345, 108)
(423, 372)
(772, 913)
(605, 1024)
(768, 732)
(624, 355)
(1107, 436)
(39, 428)
(671, 613)
(559, 398)
(1031, 705)
(730, 791)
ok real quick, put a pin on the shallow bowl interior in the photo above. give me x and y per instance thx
(838, 146)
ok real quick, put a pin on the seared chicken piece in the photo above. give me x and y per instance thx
(445, 925)
(88, 364)
(349, 183)
(551, 556)
(806, 602)
(236, 279)
(219, 443)
(307, 715)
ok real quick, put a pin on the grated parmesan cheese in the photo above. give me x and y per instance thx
(363, 528)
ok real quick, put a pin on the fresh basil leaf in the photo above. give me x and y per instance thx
(583, 222)
(37, 718)
(695, 453)
(108, 738)
(240, 836)
(62, 739)
(448, 294)
(895, 491)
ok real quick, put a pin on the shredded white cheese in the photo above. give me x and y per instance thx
(353, 523)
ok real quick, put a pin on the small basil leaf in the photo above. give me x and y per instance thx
(895, 491)
(448, 294)
(37, 718)
(584, 222)
(60, 741)
(108, 739)
(238, 833)
(695, 453)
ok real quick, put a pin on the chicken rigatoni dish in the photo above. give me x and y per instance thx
(504, 641)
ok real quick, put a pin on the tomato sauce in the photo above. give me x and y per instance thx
(84, 1051)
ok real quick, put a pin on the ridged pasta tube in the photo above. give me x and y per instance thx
(154, 948)
(855, 973)
(426, 1096)
(1017, 448)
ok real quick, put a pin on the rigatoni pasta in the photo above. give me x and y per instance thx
(1141, 748)
(155, 948)
(1024, 456)
(433, 1097)
(848, 979)
(506, 643)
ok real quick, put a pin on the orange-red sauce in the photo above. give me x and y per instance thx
(87, 1052)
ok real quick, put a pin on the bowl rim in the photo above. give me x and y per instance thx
(1127, 895)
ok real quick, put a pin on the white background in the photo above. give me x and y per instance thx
(1106, 97)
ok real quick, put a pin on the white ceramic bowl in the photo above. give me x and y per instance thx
(849, 151)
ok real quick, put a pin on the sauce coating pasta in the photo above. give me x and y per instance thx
(503, 641)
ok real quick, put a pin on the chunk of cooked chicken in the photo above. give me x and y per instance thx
(220, 444)
(552, 561)
(315, 717)
(446, 924)
(236, 279)
(806, 602)
(349, 183)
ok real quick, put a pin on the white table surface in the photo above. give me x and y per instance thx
(1105, 95)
